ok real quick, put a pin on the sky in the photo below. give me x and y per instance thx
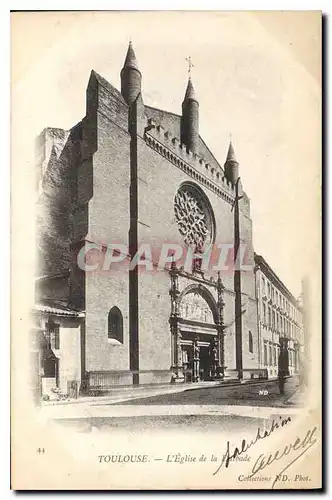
(256, 76)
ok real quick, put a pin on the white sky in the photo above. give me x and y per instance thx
(255, 76)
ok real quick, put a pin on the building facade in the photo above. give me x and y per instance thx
(280, 322)
(135, 177)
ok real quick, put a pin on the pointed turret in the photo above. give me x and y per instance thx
(190, 119)
(190, 92)
(231, 165)
(130, 77)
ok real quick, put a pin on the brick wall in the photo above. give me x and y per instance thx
(108, 221)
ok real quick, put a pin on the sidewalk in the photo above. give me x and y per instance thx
(123, 394)
(105, 413)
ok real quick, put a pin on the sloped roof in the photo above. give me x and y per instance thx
(63, 311)
(108, 86)
(272, 275)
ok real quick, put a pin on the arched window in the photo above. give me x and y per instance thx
(115, 325)
(251, 342)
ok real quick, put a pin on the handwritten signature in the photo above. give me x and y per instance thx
(245, 445)
(300, 444)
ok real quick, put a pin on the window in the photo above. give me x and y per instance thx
(263, 286)
(115, 325)
(270, 354)
(265, 353)
(270, 321)
(53, 335)
(251, 342)
(264, 313)
(275, 355)
(194, 216)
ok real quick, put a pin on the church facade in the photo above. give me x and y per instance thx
(130, 176)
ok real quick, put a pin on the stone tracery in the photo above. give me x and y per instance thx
(193, 219)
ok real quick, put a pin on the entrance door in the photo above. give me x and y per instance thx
(188, 363)
(205, 363)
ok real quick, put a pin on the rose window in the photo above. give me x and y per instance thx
(193, 216)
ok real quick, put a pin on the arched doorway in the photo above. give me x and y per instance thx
(198, 351)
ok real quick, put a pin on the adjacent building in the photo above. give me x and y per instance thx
(280, 323)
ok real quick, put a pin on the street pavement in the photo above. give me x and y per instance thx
(261, 394)
(201, 409)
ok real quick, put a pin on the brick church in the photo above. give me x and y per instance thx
(129, 174)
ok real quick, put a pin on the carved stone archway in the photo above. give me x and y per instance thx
(200, 291)
(196, 323)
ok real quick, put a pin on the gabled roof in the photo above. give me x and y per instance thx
(107, 85)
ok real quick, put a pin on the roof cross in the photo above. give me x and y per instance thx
(190, 64)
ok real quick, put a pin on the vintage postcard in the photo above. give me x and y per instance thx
(166, 250)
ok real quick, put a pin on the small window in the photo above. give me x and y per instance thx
(251, 343)
(115, 325)
(270, 317)
(263, 286)
(53, 335)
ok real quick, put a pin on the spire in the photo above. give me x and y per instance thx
(231, 165)
(130, 77)
(190, 119)
(131, 61)
(190, 92)
(231, 153)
